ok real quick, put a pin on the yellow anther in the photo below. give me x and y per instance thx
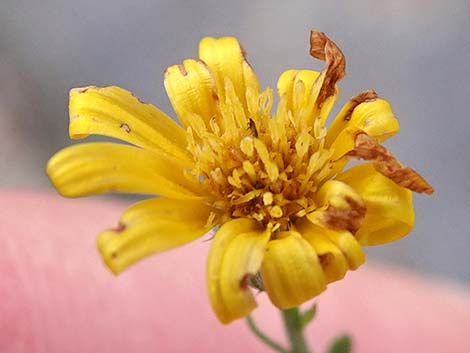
(211, 219)
(214, 126)
(258, 216)
(268, 198)
(247, 147)
(276, 212)
(303, 143)
(234, 181)
(217, 176)
(271, 168)
(246, 197)
(249, 169)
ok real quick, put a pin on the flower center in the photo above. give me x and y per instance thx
(258, 165)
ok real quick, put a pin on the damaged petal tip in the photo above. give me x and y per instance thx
(407, 178)
(368, 148)
(245, 281)
(363, 97)
(119, 228)
(323, 48)
(317, 44)
(81, 89)
(183, 70)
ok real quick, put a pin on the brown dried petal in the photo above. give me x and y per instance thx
(368, 148)
(323, 48)
(365, 96)
(349, 219)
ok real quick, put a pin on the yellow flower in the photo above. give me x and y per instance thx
(274, 182)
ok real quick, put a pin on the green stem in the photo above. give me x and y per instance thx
(294, 329)
(265, 339)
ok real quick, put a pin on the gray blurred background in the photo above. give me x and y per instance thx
(415, 53)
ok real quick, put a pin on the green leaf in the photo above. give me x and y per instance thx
(308, 315)
(341, 344)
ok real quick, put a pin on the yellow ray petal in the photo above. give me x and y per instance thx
(342, 207)
(242, 260)
(289, 84)
(152, 226)
(115, 112)
(226, 60)
(301, 88)
(366, 112)
(390, 213)
(191, 89)
(343, 144)
(349, 246)
(331, 258)
(291, 271)
(236, 253)
(94, 168)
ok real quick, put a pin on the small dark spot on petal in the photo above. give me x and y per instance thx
(125, 127)
(243, 52)
(183, 70)
(138, 99)
(245, 281)
(120, 228)
(325, 259)
(82, 89)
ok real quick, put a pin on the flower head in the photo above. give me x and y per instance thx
(273, 180)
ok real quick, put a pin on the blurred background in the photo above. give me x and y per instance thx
(415, 53)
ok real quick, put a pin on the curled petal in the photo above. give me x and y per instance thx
(226, 60)
(343, 207)
(236, 254)
(191, 89)
(242, 260)
(152, 226)
(115, 112)
(349, 246)
(355, 143)
(310, 95)
(368, 148)
(291, 271)
(323, 48)
(390, 214)
(343, 144)
(101, 167)
(332, 260)
(366, 112)
(303, 80)
(338, 250)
